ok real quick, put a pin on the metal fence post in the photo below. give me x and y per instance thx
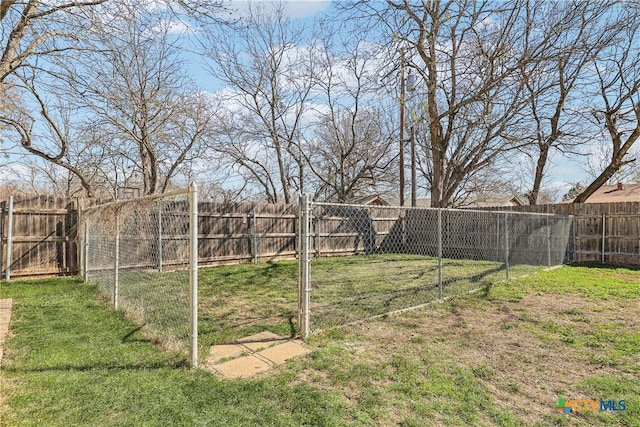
(160, 238)
(604, 229)
(193, 274)
(305, 285)
(440, 254)
(254, 237)
(85, 253)
(498, 237)
(7, 272)
(116, 262)
(316, 246)
(506, 244)
(299, 250)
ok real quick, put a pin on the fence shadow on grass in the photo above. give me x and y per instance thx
(603, 266)
(371, 302)
(477, 278)
(128, 338)
(101, 366)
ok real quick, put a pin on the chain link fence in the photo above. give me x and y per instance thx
(140, 254)
(373, 260)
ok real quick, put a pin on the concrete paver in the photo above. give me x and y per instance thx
(253, 354)
(222, 352)
(261, 340)
(242, 367)
(280, 353)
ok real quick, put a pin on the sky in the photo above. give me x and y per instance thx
(562, 171)
(297, 9)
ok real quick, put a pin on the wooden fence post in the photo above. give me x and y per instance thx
(604, 230)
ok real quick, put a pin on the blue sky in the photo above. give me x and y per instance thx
(562, 171)
(300, 10)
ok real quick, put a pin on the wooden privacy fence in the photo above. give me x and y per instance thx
(39, 236)
(522, 238)
(43, 238)
(602, 232)
(236, 232)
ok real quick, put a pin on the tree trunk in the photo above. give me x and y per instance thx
(601, 180)
(537, 180)
(619, 151)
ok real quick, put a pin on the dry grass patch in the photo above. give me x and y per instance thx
(517, 355)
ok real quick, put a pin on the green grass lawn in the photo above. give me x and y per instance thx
(348, 289)
(501, 356)
(239, 300)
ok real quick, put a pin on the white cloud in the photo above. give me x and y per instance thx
(175, 27)
(293, 9)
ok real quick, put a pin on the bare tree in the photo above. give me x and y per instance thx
(561, 39)
(33, 32)
(617, 72)
(98, 89)
(51, 139)
(132, 88)
(600, 157)
(263, 62)
(350, 153)
(34, 29)
(466, 55)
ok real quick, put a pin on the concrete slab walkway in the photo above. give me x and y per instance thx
(5, 317)
(252, 355)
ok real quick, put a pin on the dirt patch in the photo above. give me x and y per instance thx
(625, 277)
(515, 349)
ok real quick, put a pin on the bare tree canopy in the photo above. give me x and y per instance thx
(617, 109)
(350, 152)
(32, 33)
(466, 56)
(101, 94)
(264, 63)
(35, 28)
(131, 85)
(572, 34)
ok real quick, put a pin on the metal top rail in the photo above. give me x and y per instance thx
(420, 208)
(138, 199)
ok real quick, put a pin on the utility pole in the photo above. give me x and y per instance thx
(410, 87)
(414, 191)
(402, 119)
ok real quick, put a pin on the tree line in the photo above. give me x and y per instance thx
(99, 94)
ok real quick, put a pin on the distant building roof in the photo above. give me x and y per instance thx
(614, 194)
(480, 202)
(374, 200)
(420, 203)
(493, 201)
